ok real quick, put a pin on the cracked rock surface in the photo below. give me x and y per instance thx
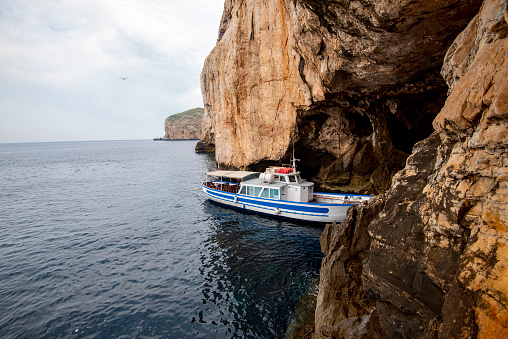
(433, 262)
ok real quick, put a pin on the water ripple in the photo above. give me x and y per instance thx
(113, 239)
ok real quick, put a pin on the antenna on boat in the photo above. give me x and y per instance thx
(293, 159)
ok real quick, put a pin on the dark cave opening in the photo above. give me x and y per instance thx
(360, 125)
(413, 119)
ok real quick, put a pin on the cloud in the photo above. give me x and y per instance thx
(61, 63)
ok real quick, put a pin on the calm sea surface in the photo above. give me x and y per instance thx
(114, 239)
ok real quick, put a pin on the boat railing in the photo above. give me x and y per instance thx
(223, 186)
(334, 199)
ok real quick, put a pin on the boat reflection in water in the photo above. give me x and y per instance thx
(255, 271)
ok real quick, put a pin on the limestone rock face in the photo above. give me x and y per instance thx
(352, 84)
(428, 258)
(184, 126)
(250, 84)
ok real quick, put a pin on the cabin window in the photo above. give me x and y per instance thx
(242, 191)
(257, 190)
(274, 193)
(292, 178)
(250, 190)
(265, 193)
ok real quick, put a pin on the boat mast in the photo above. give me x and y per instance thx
(293, 159)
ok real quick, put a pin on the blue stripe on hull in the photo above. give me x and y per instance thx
(291, 210)
(266, 204)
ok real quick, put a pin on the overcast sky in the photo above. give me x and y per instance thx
(61, 63)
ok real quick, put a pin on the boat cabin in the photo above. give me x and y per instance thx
(256, 188)
(278, 183)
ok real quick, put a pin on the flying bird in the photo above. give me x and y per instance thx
(123, 78)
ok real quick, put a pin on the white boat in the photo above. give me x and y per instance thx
(278, 192)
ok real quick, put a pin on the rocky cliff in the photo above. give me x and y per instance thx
(428, 259)
(185, 125)
(400, 97)
(352, 84)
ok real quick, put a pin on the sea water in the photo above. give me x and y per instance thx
(114, 239)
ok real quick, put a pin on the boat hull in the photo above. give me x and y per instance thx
(312, 212)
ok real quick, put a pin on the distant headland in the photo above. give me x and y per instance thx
(184, 126)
